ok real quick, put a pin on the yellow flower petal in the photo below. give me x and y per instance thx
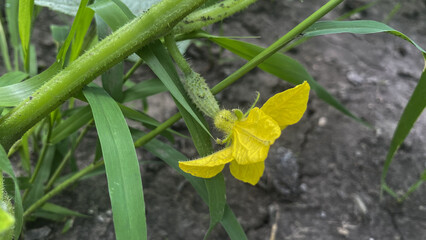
(287, 108)
(252, 137)
(208, 166)
(249, 173)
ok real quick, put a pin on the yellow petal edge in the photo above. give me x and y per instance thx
(208, 166)
(287, 108)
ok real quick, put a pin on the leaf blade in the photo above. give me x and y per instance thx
(121, 164)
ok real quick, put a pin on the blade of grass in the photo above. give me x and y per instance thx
(4, 49)
(121, 164)
(12, 78)
(12, 95)
(32, 69)
(12, 9)
(217, 200)
(412, 111)
(6, 167)
(144, 89)
(114, 13)
(25, 18)
(36, 191)
(79, 18)
(59, 34)
(83, 24)
(71, 124)
(357, 27)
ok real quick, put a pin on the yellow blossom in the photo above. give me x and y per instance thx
(251, 136)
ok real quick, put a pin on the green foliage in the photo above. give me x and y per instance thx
(121, 164)
(31, 103)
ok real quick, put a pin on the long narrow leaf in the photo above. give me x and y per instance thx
(83, 25)
(144, 89)
(121, 164)
(12, 78)
(112, 12)
(80, 16)
(4, 48)
(36, 190)
(25, 16)
(12, 12)
(358, 27)
(71, 124)
(13, 94)
(412, 111)
(6, 167)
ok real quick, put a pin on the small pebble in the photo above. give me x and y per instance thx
(322, 121)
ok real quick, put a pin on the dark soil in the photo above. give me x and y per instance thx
(322, 178)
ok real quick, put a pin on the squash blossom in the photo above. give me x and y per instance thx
(249, 136)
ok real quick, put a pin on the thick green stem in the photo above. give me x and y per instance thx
(273, 48)
(156, 22)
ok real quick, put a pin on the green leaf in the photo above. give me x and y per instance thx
(53, 208)
(144, 89)
(36, 191)
(59, 33)
(114, 13)
(412, 111)
(283, 67)
(71, 124)
(12, 12)
(70, 6)
(12, 78)
(358, 27)
(121, 164)
(24, 152)
(12, 95)
(81, 18)
(33, 61)
(4, 48)
(217, 200)
(25, 16)
(112, 81)
(6, 167)
(83, 24)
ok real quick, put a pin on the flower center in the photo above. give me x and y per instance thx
(224, 120)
